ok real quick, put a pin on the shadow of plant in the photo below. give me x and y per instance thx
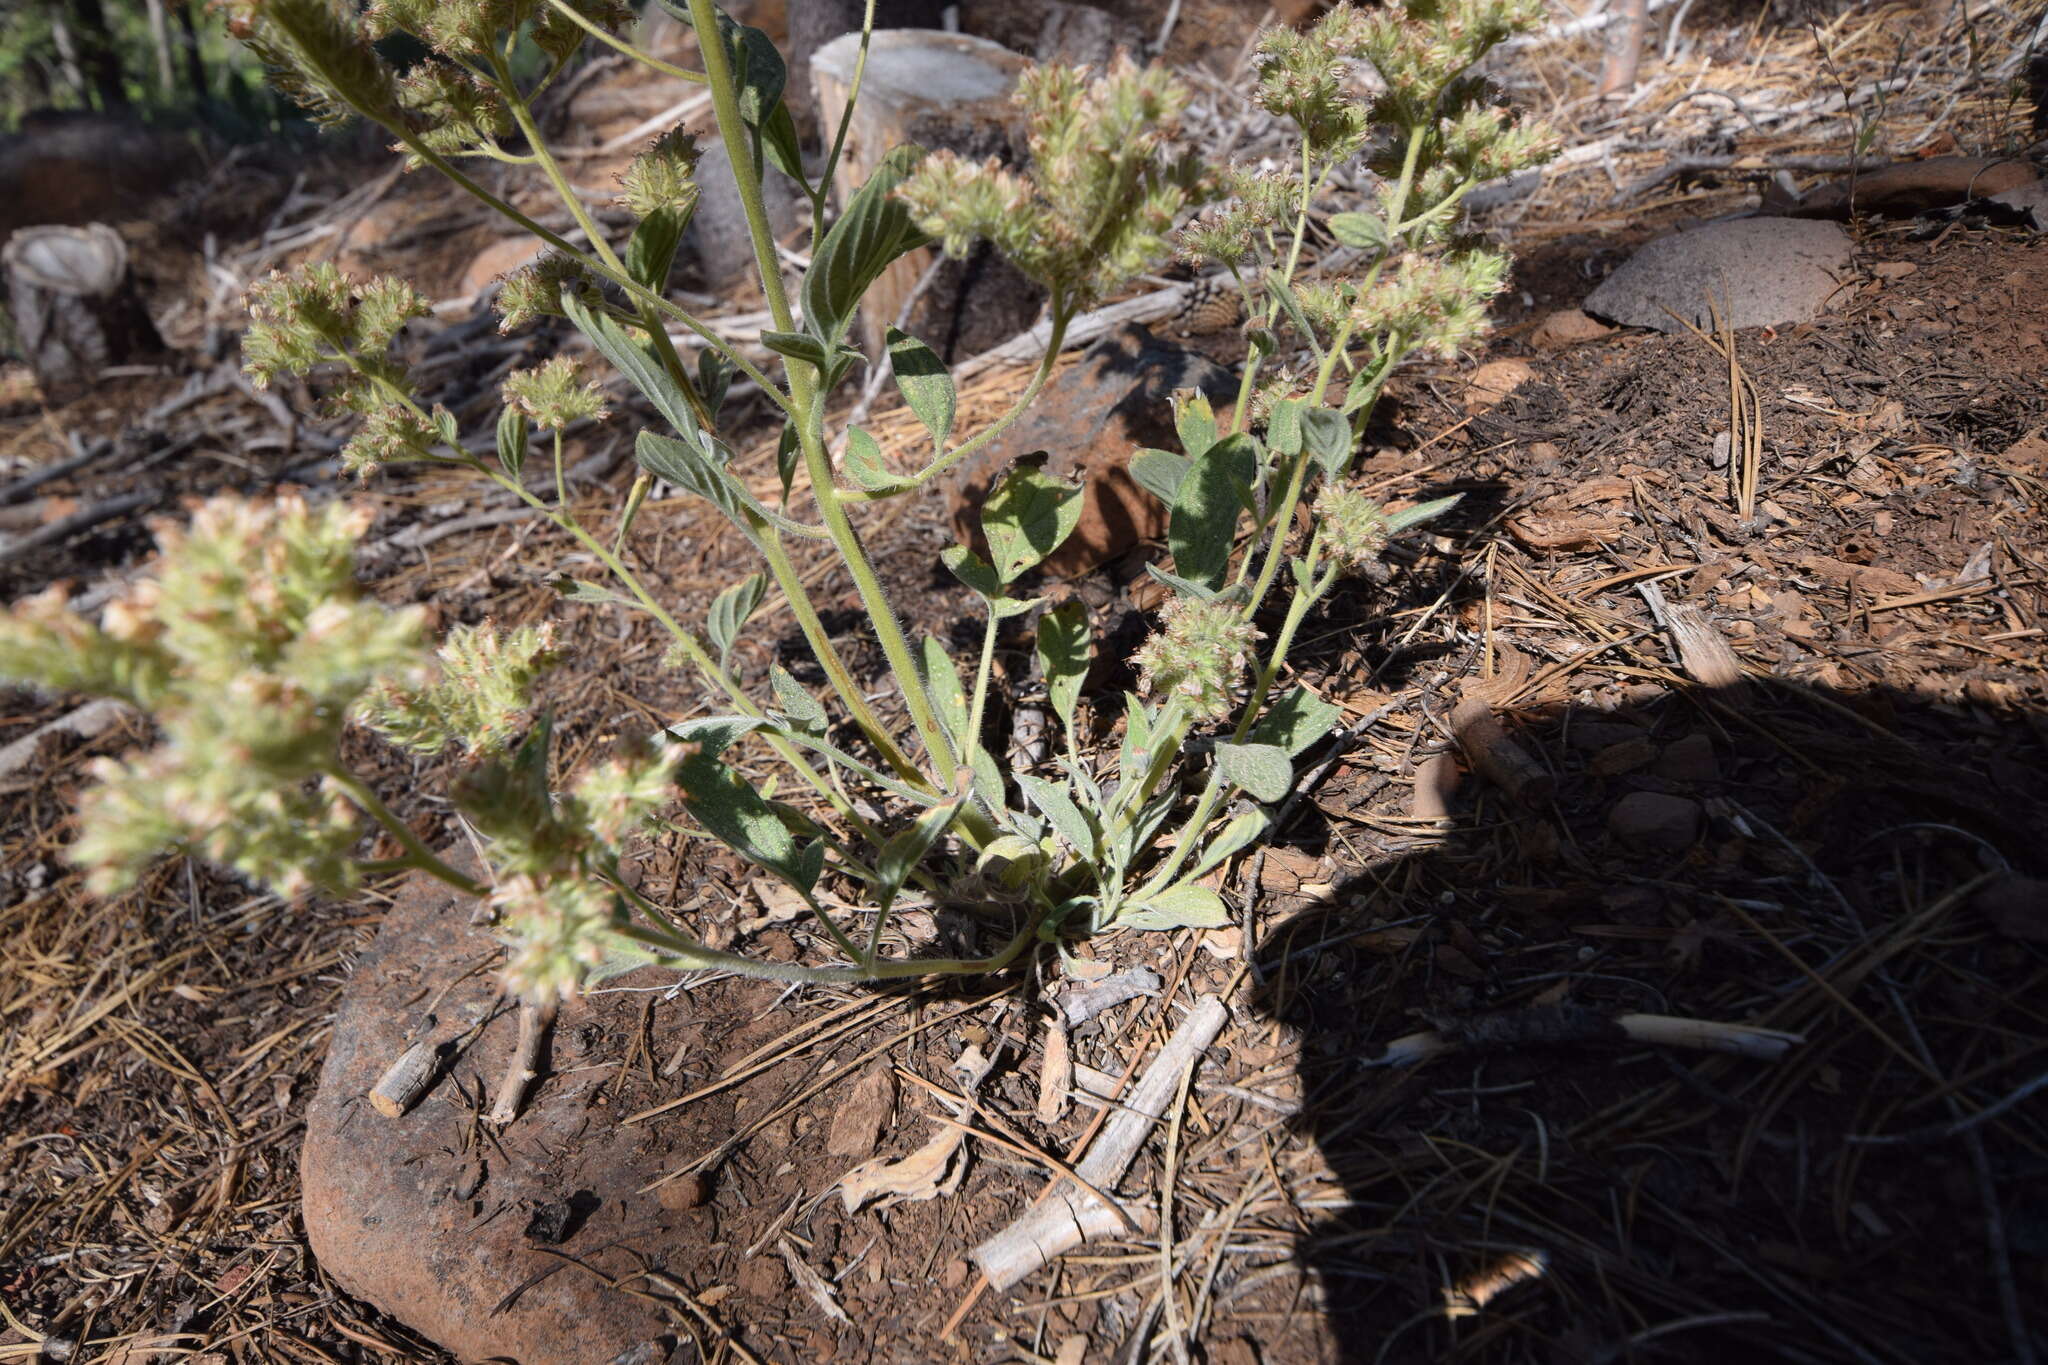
(1847, 866)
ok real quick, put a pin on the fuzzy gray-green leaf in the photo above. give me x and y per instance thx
(651, 251)
(1205, 510)
(1326, 434)
(864, 464)
(942, 682)
(1264, 770)
(1063, 647)
(1159, 472)
(806, 713)
(1194, 421)
(735, 814)
(1185, 906)
(873, 231)
(632, 360)
(1052, 801)
(1296, 721)
(1027, 518)
(926, 384)
(1421, 512)
(512, 440)
(730, 610)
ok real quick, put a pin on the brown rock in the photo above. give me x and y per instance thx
(857, 1124)
(498, 259)
(1486, 386)
(1652, 821)
(380, 1195)
(1690, 759)
(1912, 187)
(1568, 327)
(1624, 757)
(1090, 419)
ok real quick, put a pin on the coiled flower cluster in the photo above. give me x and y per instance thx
(1198, 655)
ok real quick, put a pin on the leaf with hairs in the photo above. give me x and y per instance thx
(1296, 721)
(512, 437)
(1063, 648)
(1205, 508)
(1264, 770)
(651, 251)
(632, 360)
(925, 383)
(1185, 906)
(1027, 518)
(874, 230)
(1159, 472)
(730, 610)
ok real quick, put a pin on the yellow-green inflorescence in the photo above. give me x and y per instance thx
(481, 700)
(249, 646)
(554, 395)
(662, 177)
(1353, 527)
(1199, 655)
(315, 317)
(1104, 188)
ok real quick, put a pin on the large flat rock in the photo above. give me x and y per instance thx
(1759, 272)
(495, 1246)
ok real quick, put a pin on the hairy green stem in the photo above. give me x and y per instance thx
(972, 739)
(620, 45)
(417, 854)
(681, 951)
(650, 319)
(808, 404)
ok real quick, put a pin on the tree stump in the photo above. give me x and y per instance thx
(938, 90)
(74, 306)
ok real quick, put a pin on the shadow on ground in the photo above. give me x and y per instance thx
(1850, 867)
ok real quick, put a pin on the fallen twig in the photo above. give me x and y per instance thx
(1561, 1024)
(1066, 1216)
(524, 1068)
(89, 721)
(84, 519)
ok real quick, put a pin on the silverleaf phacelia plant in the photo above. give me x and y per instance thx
(253, 650)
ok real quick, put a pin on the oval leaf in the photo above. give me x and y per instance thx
(864, 464)
(925, 383)
(1204, 523)
(1179, 907)
(1159, 472)
(512, 440)
(1296, 721)
(1264, 770)
(873, 231)
(730, 610)
(1063, 656)
(1027, 517)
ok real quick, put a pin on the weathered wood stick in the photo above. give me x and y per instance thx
(89, 721)
(1566, 1024)
(406, 1079)
(524, 1067)
(1065, 1216)
(1498, 758)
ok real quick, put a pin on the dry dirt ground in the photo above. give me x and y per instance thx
(1839, 844)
